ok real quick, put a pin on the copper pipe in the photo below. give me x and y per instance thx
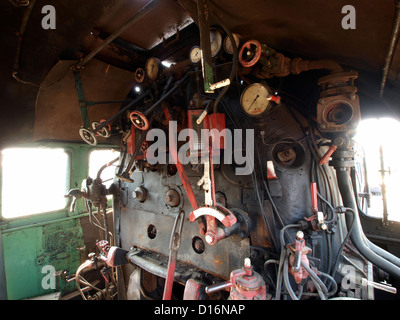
(299, 65)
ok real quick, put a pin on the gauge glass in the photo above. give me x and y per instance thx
(228, 44)
(216, 41)
(254, 99)
(152, 68)
(195, 54)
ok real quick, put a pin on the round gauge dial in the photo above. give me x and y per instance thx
(216, 41)
(255, 99)
(139, 75)
(195, 54)
(228, 43)
(152, 68)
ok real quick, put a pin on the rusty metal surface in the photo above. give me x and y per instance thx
(148, 226)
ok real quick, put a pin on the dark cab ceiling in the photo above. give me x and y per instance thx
(309, 29)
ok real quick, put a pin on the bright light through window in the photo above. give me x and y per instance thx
(97, 159)
(34, 180)
(371, 134)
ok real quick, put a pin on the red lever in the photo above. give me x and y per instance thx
(327, 155)
(314, 198)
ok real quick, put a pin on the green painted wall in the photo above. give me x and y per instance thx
(55, 239)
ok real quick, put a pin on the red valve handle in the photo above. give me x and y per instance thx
(139, 120)
(249, 45)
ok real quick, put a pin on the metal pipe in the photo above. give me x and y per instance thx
(394, 39)
(129, 105)
(205, 44)
(173, 254)
(150, 266)
(234, 62)
(383, 253)
(383, 185)
(357, 236)
(22, 29)
(135, 18)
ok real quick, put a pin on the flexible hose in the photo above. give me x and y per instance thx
(335, 286)
(286, 278)
(314, 277)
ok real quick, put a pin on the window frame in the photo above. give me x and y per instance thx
(39, 215)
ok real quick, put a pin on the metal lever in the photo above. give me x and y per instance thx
(73, 194)
(173, 253)
(327, 154)
(206, 182)
(379, 286)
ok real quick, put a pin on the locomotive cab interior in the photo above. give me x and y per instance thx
(199, 150)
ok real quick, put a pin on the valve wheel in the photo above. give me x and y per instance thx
(88, 136)
(250, 53)
(139, 120)
(104, 132)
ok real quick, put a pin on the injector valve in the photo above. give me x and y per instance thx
(244, 284)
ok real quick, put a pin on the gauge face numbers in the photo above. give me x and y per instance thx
(195, 54)
(255, 100)
(228, 43)
(152, 68)
(216, 41)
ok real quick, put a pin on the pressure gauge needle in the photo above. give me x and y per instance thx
(252, 103)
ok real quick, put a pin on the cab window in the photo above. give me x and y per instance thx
(34, 180)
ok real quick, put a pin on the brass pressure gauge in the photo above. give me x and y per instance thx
(152, 68)
(255, 99)
(216, 41)
(228, 43)
(195, 54)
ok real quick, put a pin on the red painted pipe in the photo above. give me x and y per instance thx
(314, 197)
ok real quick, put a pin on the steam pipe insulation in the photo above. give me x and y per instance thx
(357, 236)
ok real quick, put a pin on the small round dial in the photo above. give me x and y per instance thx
(255, 99)
(195, 54)
(139, 75)
(216, 41)
(152, 68)
(228, 43)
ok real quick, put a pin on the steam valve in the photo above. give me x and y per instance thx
(299, 253)
(244, 284)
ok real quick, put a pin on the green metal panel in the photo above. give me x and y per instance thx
(27, 251)
(49, 239)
